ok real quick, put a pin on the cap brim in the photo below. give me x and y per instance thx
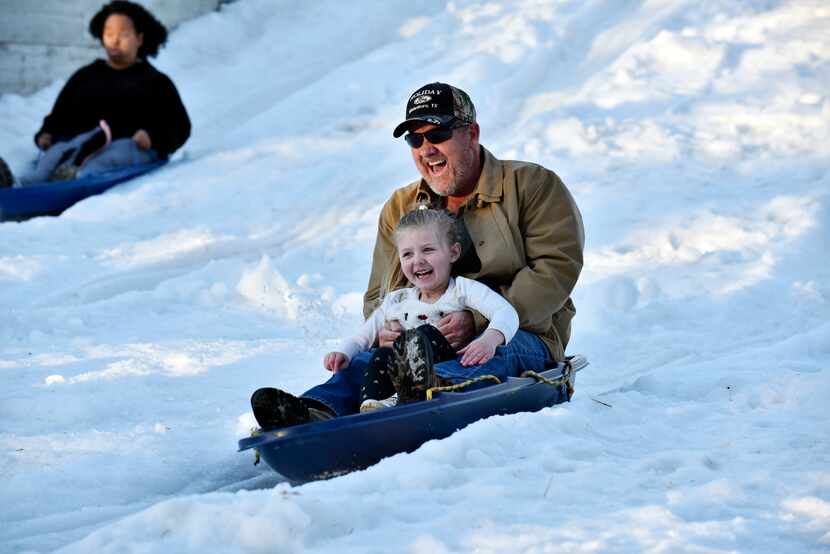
(412, 121)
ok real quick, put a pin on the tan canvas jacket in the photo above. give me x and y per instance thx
(527, 232)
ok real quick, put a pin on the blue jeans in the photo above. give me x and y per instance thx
(341, 393)
(118, 153)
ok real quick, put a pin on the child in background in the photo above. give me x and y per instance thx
(427, 247)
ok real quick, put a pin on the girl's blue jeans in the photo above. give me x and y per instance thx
(341, 393)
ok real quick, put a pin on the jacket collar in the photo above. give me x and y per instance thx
(490, 186)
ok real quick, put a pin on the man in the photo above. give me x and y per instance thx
(523, 238)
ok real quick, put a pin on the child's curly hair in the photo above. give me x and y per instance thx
(145, 23)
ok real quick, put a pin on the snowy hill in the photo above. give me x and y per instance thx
(696, 140)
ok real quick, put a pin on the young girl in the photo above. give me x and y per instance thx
(427, 247)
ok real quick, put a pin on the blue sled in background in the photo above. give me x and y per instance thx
(326, 449)
(53, 197)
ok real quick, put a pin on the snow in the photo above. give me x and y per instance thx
(695, 138)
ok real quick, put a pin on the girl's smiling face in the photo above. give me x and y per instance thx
(426, 259)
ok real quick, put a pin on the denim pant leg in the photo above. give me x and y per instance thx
(341, 393)
(525, 352)
(47, 160)
(119, 153)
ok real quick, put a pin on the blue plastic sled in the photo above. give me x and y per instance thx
(330, 448)
(53, 197)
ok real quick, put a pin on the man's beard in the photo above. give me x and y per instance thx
(448, 192)
(453, 187)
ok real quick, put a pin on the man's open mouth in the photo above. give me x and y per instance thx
(436, 166)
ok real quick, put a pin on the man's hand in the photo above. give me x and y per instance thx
(482, 349)
(390, 331)
(142, 139)
(44, 141)
(335, 360)
(458, 328)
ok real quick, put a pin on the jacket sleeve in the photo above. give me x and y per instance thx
(56, 123)
(554, 238)
(170, 127)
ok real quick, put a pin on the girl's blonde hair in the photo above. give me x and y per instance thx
(417, 218)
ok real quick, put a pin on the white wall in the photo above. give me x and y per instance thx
(45, 40)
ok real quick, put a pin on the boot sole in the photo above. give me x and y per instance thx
(419, 359)
(415, 370)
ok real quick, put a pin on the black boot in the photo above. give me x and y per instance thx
(275, 408)
(377, 377)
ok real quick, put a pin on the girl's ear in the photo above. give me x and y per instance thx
(455, 252)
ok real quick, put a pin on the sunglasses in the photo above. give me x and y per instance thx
(434, 136)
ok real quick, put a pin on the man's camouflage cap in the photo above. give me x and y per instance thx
(439, 104)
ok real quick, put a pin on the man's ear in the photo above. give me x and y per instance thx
(475, 130)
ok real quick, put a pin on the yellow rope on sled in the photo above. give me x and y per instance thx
(459, 386)
(566, 379)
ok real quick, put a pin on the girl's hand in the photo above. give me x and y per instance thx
(391, 330)
(335, 360)
(482, 349)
